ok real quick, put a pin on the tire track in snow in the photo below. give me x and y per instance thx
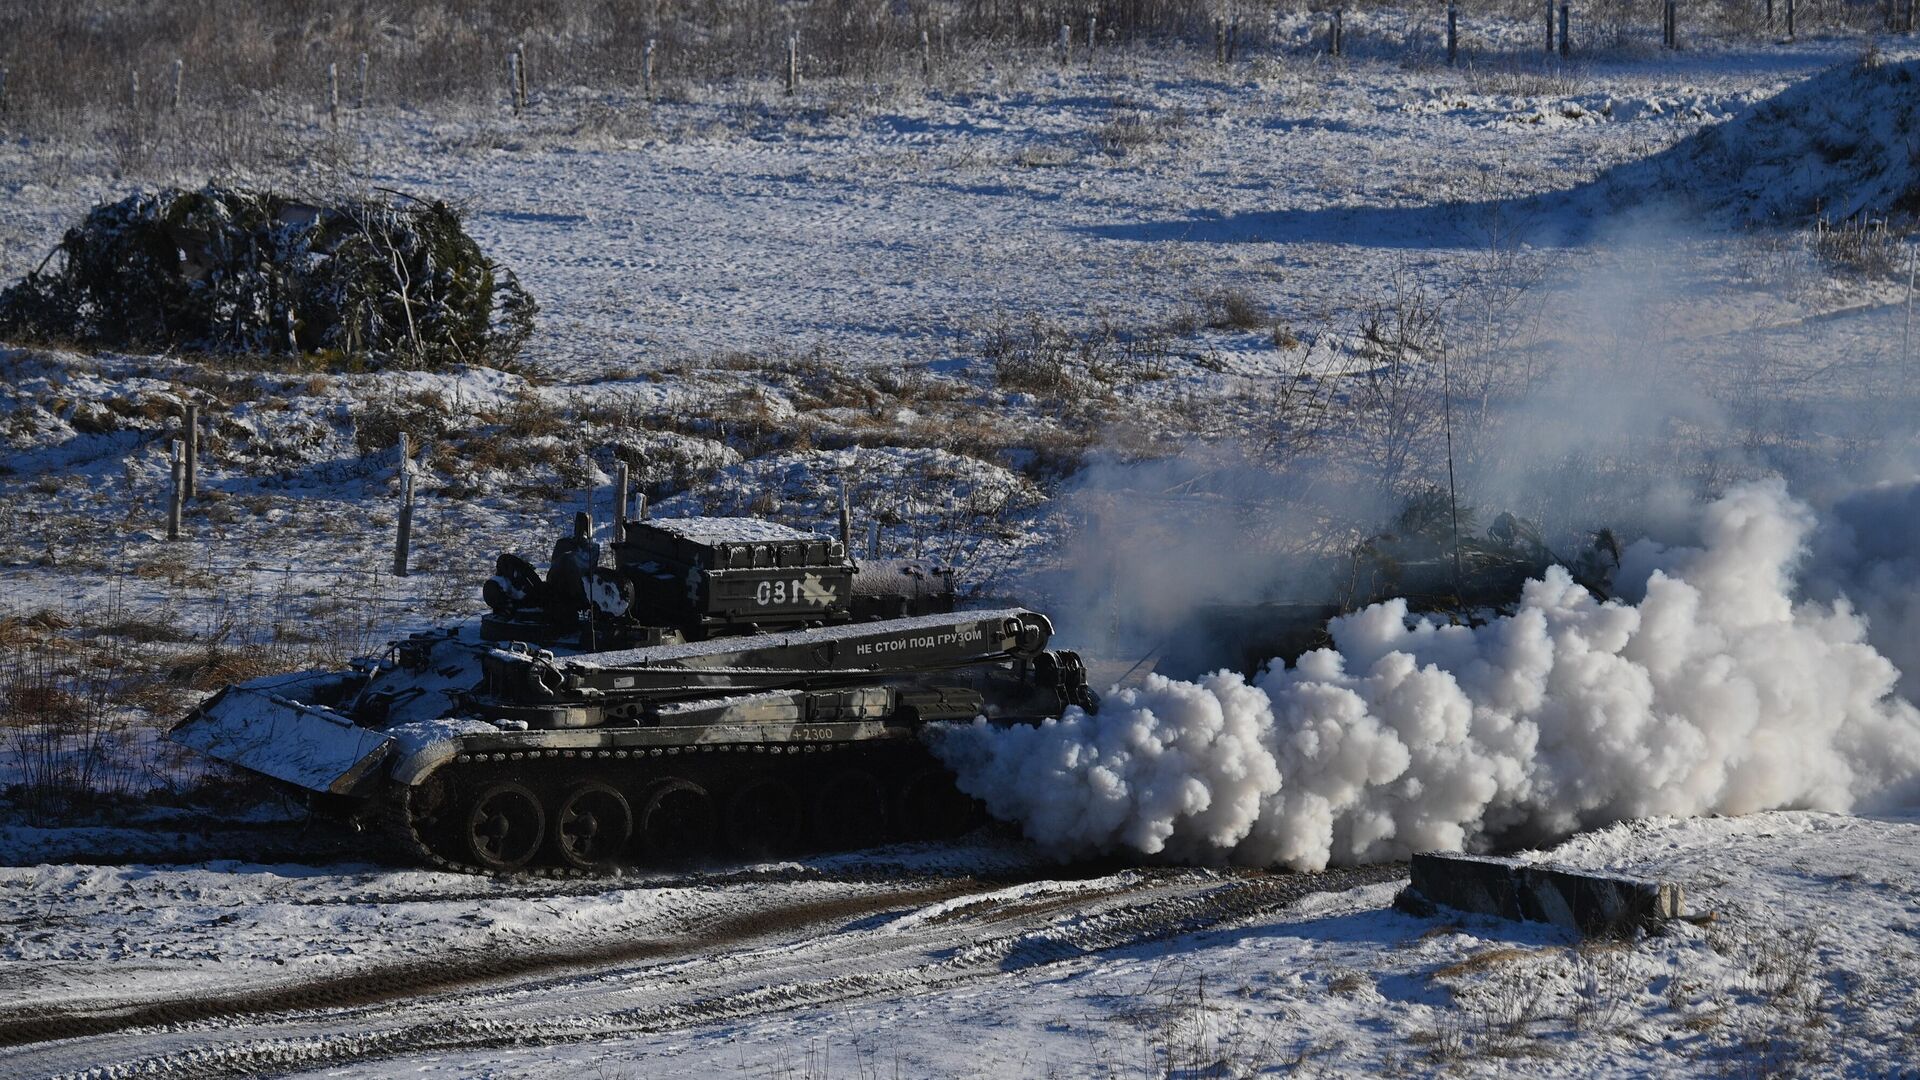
(911, 952)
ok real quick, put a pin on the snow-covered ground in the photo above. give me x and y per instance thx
(967, 305)
(974, 961)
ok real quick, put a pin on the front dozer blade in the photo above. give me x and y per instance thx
(304, 745)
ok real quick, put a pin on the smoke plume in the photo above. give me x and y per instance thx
(1721, 683)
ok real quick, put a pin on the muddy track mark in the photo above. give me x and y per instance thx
(391, 982)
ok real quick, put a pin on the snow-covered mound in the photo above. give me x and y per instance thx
(1837, 145)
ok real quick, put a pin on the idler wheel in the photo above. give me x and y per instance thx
(505, 826)
(676, 821)
(593, 826)
(932, 808)
(764, 818)
(850, 811)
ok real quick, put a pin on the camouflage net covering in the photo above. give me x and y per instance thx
(237, 271)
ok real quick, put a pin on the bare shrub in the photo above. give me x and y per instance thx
(1233, 309)
(1860, 246)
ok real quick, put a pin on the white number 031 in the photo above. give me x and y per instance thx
(777, 592)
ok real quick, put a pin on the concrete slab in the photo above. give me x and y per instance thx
(1592, 902)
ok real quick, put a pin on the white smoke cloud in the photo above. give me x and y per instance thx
(1714, 688)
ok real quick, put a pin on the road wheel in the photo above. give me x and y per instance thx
(505, 826)
(930, 807)
(850, 811)
(592, 828)
(676, 821)
(764, 818)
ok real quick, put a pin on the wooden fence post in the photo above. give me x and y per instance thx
(360, 86)
(133, 94)
(403, 533)
(1564, 48)
(175, 491)
(192, 438)
(3, 91)
(1093, 34)
(521, 77)
(179, 77)
(1789, 18)
(513, 82)
(622, 484)
(1333, 32)
(926, 57)
(646, 70)
(1453, 34)
(1549, 26)
(333, 93)
(1066, 44)
(793, 64)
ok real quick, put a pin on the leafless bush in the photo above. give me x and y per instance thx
(1132, 130)
(1402, 340)
(1865, 247)
(1051, 360)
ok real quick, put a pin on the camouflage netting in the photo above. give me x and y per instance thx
(232, 270)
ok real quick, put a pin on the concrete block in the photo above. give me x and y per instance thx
(1591, 902)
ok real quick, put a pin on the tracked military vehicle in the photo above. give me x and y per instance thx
(718, 685)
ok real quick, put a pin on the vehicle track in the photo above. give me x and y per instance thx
(749, 966)
(389, 982)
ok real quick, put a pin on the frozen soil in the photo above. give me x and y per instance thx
(975, 960)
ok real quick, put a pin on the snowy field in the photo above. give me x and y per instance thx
(971, 961)
(1028, 318)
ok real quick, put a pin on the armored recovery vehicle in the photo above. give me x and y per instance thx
(725, 685)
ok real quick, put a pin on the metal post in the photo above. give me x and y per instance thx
(403, 538)
(622, 482)
(1563, 32)
(1906, 336)
(174, 493)
(846, 523)
(403, 534)
(191, 436)
(1453, 35)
